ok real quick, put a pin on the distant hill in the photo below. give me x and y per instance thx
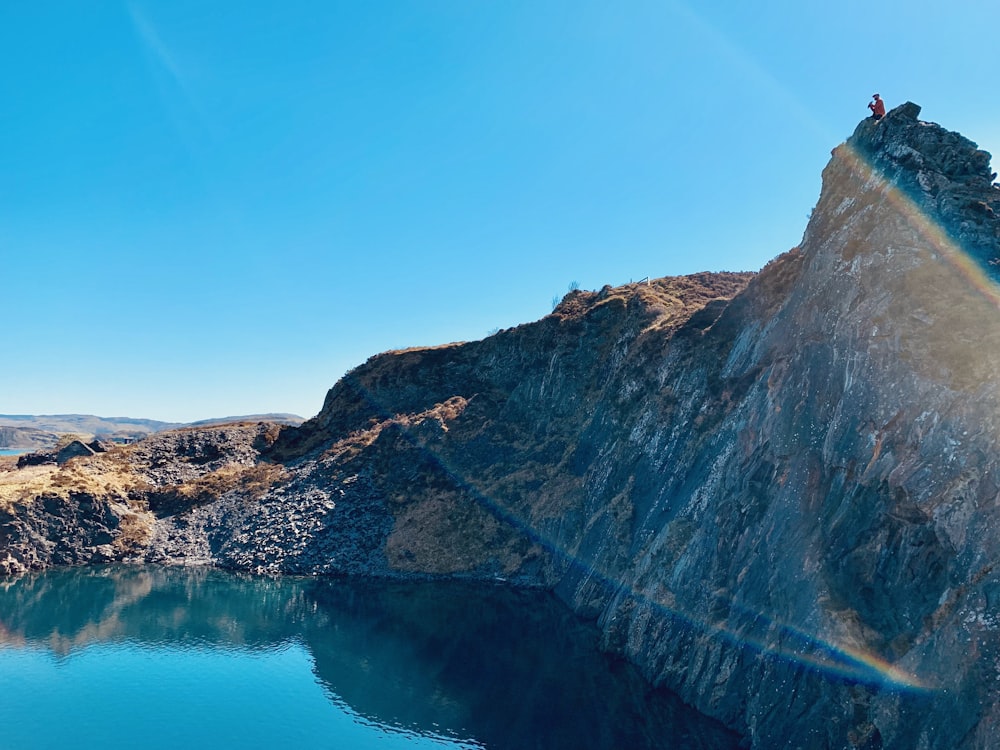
(40, 431)
(26, 438)
(292, 419)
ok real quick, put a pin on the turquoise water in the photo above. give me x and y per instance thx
(126, 657)
(11, 451)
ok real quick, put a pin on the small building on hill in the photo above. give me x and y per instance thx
(73, 450)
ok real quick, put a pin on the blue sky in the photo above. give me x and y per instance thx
(218, 208)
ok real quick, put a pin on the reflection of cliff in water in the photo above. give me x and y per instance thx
(511, 669)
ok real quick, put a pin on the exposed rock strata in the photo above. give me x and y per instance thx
(777, 494)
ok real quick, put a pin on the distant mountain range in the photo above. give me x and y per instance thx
(39, 431)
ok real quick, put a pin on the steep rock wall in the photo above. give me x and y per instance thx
(830, 561)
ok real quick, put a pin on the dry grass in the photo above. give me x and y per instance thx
(135, 528)
(102, 476)
(111, 476)
(24, 484)
(251, 481)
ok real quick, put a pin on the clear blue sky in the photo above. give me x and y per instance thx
(219, 207)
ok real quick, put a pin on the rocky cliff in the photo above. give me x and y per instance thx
(776, 493)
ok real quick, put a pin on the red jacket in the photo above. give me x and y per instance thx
(877, 107)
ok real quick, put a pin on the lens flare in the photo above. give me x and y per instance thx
(930, 230)
(779, 640)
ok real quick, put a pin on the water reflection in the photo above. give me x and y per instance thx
(449, 663)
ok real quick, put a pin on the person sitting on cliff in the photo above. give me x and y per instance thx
(877, 107)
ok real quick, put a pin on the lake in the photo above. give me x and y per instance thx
(12, 451)
(125, 657)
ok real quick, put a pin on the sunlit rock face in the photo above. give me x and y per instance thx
(819, 573)
(776, 493)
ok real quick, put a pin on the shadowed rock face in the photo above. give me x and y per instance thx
(777, 494)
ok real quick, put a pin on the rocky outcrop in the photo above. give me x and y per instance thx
(775, 493)
(104, 506)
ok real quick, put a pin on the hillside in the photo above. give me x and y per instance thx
(26, 438)
(42, 431)
(775, 493)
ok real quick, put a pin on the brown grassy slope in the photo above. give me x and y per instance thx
(190, 464)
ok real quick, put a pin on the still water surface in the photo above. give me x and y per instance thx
(126, 657)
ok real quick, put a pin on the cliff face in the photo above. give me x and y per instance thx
(777, 494)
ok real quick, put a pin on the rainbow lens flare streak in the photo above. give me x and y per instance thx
(929, 229)
(785, 643)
